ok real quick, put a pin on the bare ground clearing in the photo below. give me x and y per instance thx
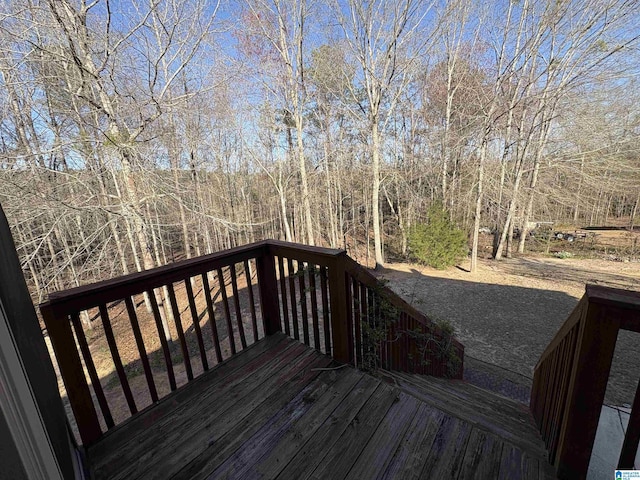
(506, 313)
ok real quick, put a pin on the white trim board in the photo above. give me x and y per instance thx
(21, 412)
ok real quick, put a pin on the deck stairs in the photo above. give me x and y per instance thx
(508, 428)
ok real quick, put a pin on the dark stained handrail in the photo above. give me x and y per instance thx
(570, 380)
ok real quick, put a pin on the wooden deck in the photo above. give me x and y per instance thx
(279, 409)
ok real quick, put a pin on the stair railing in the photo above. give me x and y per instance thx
(571, 377)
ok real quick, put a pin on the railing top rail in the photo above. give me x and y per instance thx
(298, 251)
(614, 297)
(94, 294)
(574, 317)
(597, 294)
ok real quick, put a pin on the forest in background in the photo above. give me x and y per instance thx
(136, 133)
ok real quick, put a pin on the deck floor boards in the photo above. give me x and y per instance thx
(282, 410)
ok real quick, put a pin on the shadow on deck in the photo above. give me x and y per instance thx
(280, 409)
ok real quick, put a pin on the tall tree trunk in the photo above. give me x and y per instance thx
(478, 209)
(375, 193)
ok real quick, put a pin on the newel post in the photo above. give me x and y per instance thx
(592, 363)
(341, 321)
(268, 286)
(75, 381)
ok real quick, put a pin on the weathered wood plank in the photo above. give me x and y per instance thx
(502, 416)
(482, 458)
(248, 418)
(340, 458)
(281, 414)
(408, 459)
(310, 454)
(269, 449)
(188, 432)
(159, 414)
(378, 453)
(444, 460)
(514, 465)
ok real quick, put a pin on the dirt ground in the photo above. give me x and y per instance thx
(507, 312)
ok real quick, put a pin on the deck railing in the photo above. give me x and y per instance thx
(316, 295)
(571, 378)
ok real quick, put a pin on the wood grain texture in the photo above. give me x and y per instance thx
(280, 409)
(311, 453)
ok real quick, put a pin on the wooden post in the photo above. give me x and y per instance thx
(592, 363)
(62, 340)
(268, 286)
(340, 298)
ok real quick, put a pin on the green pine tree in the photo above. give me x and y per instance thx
(438, 243)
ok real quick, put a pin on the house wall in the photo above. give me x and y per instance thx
(20, 317)
(11, 462)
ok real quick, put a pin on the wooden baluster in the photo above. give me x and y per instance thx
(135, 326)
(252, 303)
(356, 321)
(567, 365)
(115, 355)
(314, 306)
(413, 351)
(292, 294)
(227, 313)
(325, 310)
(236, 304)
(371, 322)
(303, 302)
(283, 295)
(559, 388)
(406, 343)
(75, 381)
(551, 394)
(212, 317)
(91, 368)
(632, 437)
(196, 324)
(268, 285)
(386, 342)
(163, 340)
(182, 340)
(378, 325)
(395, 357)
(363, 318)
